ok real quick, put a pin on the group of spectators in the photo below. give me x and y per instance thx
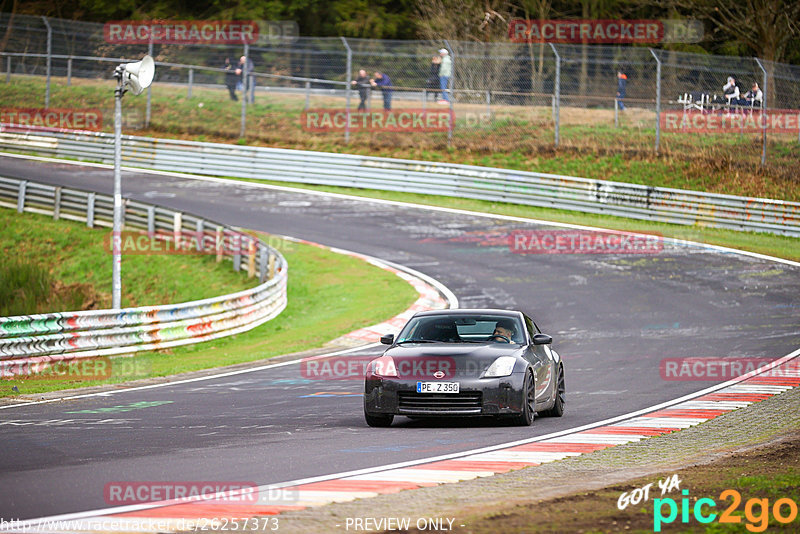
(751, 98)
(441, 70)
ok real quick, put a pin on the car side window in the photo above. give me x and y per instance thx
(531, 327)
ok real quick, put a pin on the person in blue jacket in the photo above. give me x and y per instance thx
(382, 80)
(622, 85)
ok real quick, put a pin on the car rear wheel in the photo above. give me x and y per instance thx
(525, 417)
(558, 408)
(379, 420)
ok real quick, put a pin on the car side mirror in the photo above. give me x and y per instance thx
(388, 339)
(542, 339)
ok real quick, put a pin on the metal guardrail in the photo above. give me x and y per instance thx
(55, 336)
(464, 181)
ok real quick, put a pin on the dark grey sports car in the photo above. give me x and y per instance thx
(465, 363)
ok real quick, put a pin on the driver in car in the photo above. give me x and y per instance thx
(504, 330)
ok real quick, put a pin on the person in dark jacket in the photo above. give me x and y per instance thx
(382, 80)
(231, 78)
(433, 75)
(363, 85)
(622, 86)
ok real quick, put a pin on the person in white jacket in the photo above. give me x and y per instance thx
(731, 91)
(445, 71)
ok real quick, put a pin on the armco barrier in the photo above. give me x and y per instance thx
(54, 336)
(465, 181)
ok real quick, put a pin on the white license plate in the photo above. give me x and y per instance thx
(437, 387)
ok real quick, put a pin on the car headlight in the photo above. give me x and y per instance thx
(502, 366)
(384, 366)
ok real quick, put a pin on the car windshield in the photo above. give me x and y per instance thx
(463, 329)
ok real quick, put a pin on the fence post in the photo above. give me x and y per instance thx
(347, 89)
(424, 97)
(49, 60)
(200, 235)
(764, 114)
(191, 80)
(237, 251)
(23, 185)
(262, 264)
(557, 95)
(308, 94)
(251, 258)
(151, 221)
(616, 112)
(149, 89)
(8, 69)
(177, 225)
(69, 71)
(57, 204)
(488, 102)
(220, 244)
(90, 210)
(243, 126)
(658, 98)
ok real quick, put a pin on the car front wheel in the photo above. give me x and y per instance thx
(525, 417)
(379, 420)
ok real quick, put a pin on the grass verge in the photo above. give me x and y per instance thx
(514, 137)
(329, 295)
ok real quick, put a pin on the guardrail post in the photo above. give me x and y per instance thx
(347, 90)
(90, 210)
(149, 89)
(200, 235)
(262, 264)
(237, 252)
(57, 204)
(219, 244)
(191, 80)
(658, 98)
(23, 186)
(251, 258)
(49, 61)
(151, 221)
(557, 96)
(177, 225)
(308, 94)
(271, 266)
(763, 114)
(69, 71)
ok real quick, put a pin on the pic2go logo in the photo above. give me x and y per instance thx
(756, 511)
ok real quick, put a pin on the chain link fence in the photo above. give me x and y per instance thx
(501, 95)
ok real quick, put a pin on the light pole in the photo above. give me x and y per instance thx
(135, 77)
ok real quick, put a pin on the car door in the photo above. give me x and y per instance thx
(540, 358)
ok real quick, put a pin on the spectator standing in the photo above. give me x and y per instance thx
(433, 75)
(382, 80)
(243, 69)
(230, 78)
(363, 85)
(622, 86)
(445, 72)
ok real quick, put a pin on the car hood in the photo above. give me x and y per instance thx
(421, 360)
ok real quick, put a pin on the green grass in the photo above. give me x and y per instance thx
(73, 254)
(329, 296)
(591, 146)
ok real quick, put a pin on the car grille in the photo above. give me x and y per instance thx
(411, 402)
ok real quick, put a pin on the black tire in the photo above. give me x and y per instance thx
(558, 408)
(379, 420)
(525, 417)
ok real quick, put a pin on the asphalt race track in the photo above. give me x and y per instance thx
(613, 318)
